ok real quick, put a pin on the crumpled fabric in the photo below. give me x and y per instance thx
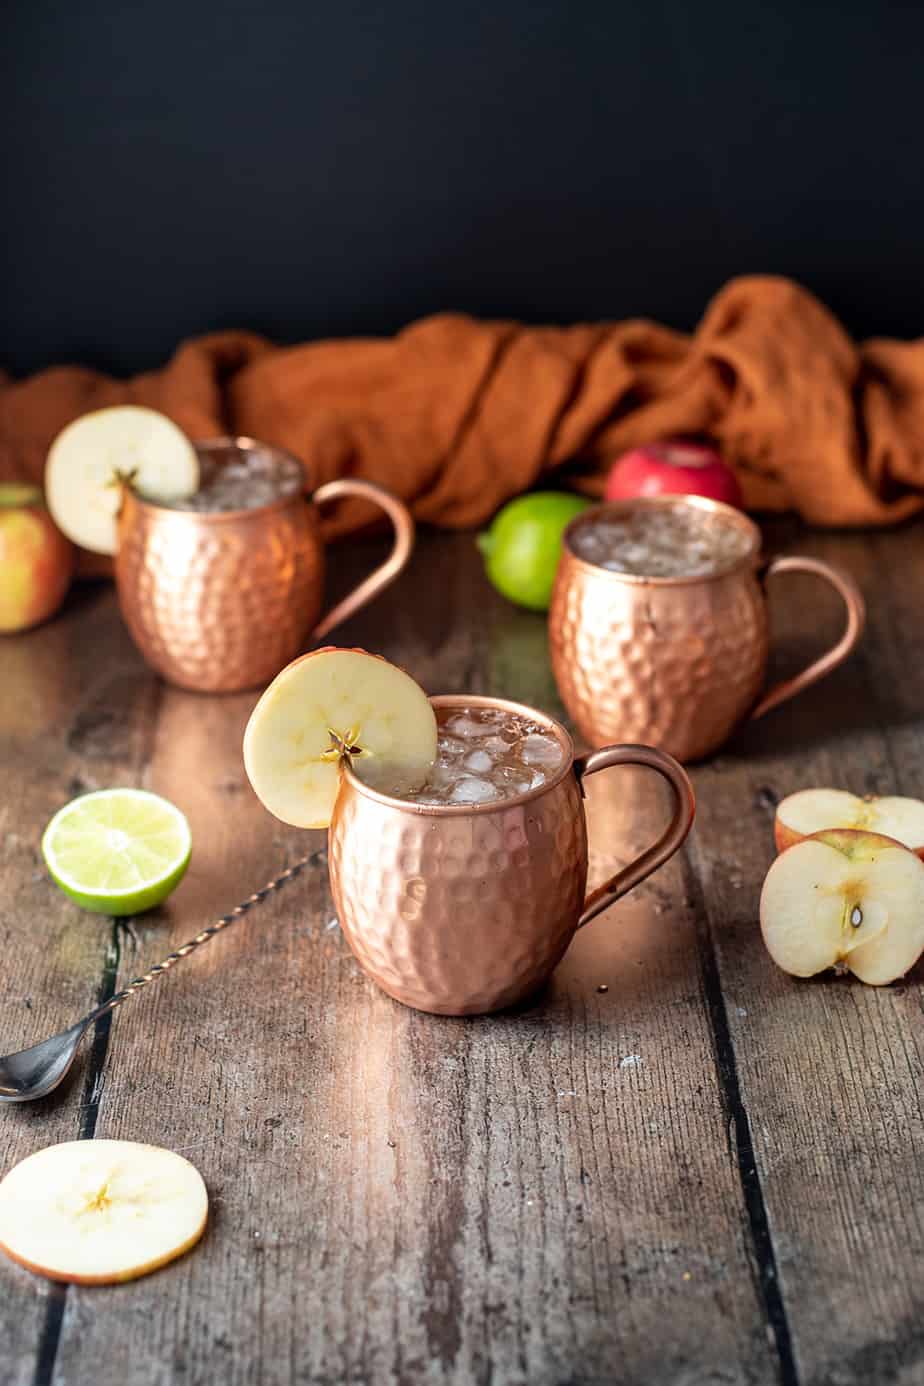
(456, 415)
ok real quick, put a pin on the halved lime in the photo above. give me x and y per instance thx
(117, 851)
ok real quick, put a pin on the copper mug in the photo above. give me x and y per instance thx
(221, 600)
(678, 662)
(460, 909)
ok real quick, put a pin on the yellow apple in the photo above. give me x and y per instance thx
(36, 561)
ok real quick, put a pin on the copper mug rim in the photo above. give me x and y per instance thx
(743, 522)
(464, 700)
(245, 444)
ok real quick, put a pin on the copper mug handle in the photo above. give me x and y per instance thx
(673, 836)
(856, 619)
(371, 586)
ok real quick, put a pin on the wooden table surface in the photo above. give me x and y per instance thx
(676, 1166)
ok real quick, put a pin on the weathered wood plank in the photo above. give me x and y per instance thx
(77, 705)
(830, 1071)
(544, 1197)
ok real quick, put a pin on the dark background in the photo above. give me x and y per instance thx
(307, 169)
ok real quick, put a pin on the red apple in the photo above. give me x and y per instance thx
(36, 561)
(673, 468)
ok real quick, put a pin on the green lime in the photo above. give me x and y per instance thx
(522, 546)
(117, 851)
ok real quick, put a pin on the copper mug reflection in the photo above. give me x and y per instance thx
(678, 662)
(460, 909)
(221, 600)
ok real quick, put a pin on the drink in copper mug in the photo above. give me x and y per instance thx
(658, 624)
(483, 755)
(461, 896)
(221, 590)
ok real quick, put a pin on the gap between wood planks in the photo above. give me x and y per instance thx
(739, 1127)
(726, 1068)
(92, 1096)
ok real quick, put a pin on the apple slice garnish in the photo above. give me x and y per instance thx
(812, 810)
(92, 457)
(97, 1212)
(846, 899)
(328, 707)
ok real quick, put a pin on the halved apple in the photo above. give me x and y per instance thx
(328, 707)
(97, 1212)
(846, 899)
(812, 810)
(92, 456)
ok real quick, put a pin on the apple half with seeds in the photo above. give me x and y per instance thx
(846, 899)
(98, 1212)
(92, 457)
(811, 810)
(328, 708)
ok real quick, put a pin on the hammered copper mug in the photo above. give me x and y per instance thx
(221, 600)
(460, 909)
(678, 662)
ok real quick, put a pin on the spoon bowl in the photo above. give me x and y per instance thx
(37, 1071)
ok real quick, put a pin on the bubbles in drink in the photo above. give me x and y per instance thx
(665, 541)
(451, 746)
(245, 481)
(483, 755)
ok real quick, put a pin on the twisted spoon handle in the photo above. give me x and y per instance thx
(205, 936)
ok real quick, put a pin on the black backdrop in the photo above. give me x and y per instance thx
(311, 169)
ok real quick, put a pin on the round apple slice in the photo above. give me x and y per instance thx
(329, 706)
(812, 810)
(845, 899)
(91, 456)
(97, 1212)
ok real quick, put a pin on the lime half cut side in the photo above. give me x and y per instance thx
(117, 851)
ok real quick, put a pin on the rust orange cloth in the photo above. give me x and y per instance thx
(457, 415)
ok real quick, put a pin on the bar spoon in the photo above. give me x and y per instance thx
(37, 1071)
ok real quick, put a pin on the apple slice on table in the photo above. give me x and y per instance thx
(846, 899)
(811, 810)
(91, 457)
(97, 1212)
(329, 706)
